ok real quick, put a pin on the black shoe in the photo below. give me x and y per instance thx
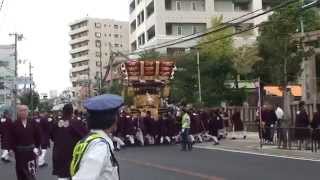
(244, 137)
(216, 143)
(233, 138)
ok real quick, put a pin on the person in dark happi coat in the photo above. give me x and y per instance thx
(196, 126)
(163, 123)
(130, 129)
(302, 123)
(25, 140)
(46, 126)
(65, 133)
(315, 124)
(237, 124)
(5, 124)
(150, 131)
(140, 129)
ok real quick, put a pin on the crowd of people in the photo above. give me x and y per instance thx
(132, 129)
(29, 138)
(303, 130)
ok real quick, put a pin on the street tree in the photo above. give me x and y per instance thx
(30, 98)
(276, 45)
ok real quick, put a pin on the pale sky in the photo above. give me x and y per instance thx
(44, 24)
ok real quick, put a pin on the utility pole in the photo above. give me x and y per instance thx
(31, 90)
(100, 82)
(17, 37)
(199, 76)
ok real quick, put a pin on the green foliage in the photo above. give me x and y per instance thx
(116, 88)
(45, 106)
(276, 43)
(215, 66)
(149, 55)
(25, 99)
(219, 49)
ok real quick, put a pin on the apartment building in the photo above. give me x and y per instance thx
(157, 21)
(91, 41)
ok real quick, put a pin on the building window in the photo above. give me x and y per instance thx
(97, 25)
(97, 63)
(109, 35)
(98, 43)
(116, 35)
(105, 25)
(132, 6)
(241, 6)
(133, 26)
(194, 6)
(178, 5)
(151, 33)
(194, 29)
(141, 39)
(98, 54)
(116, 45)
(98, 35)
(150, 9)
(134, 46)
(140, 18)
(116, 26)
(179, 29)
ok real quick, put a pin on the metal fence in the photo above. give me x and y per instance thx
(291, 138)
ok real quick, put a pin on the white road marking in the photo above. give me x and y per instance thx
(259, 154)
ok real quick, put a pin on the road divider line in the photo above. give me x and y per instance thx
(258, 154)
(172, 169)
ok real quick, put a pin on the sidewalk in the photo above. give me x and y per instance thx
(251, 145)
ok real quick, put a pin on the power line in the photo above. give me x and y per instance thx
(206, 30)
(220, 29)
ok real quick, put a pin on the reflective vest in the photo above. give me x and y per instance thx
(81, 148)
(186, 121)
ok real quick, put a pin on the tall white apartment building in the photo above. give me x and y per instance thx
(91, 41)
(157, 21)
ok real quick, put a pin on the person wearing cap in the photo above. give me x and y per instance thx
(186, 122)
(93, 156)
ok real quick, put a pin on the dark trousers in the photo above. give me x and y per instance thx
(185, 142)
(26, 165)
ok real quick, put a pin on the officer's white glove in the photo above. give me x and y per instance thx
(182, 130)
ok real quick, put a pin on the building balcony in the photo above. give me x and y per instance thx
(79, 59)
(79, 30)
(79, 78)
(77, 40)
(79, 68)
(76, 50)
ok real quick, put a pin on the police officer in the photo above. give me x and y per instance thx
(186, 122)
(93, 156)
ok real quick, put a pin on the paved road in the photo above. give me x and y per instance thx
(167, 162)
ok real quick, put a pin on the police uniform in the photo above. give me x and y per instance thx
(93, 156)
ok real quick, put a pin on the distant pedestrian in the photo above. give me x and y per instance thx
(93, 156)
(238, 127)
(5, 125)
(302, 131)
